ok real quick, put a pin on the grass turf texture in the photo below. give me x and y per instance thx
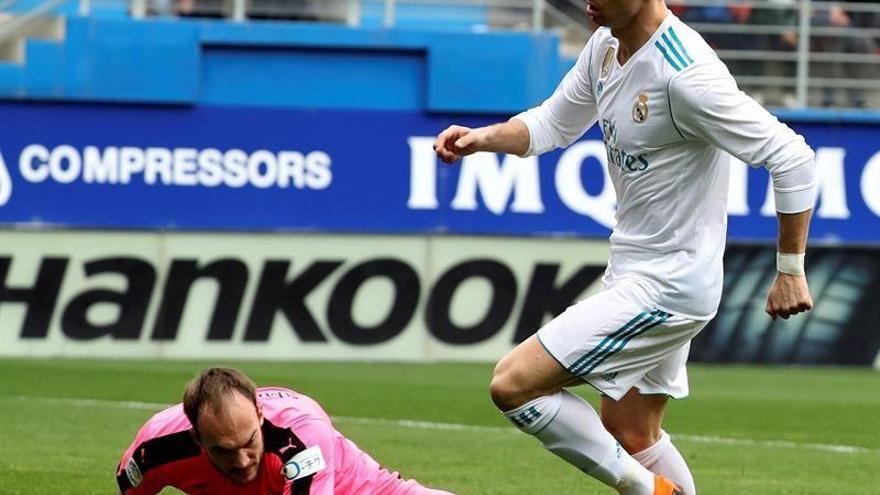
(52, 446)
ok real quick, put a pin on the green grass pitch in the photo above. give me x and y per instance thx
(760, 431)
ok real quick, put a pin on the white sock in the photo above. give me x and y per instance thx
(664, 459)
(569, 427)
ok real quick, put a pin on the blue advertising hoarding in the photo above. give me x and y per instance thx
(262, 169)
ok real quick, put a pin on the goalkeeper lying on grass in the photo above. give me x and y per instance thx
(229, 437)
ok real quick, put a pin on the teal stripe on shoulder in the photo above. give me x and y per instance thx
(673, 50)
(680, 45)
(666, 55)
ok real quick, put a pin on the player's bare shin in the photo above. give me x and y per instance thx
(789, 293)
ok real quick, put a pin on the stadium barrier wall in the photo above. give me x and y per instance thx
(841, 329)
(285, 64)
(401, 298)
(239, 258)
(282, 296)
(261, 169)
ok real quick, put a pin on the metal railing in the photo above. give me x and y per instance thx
(505, 14)
(789, 53)
(796, 53)
(11, 25)
(792, 53)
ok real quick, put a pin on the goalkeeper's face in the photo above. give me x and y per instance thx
(232, 438)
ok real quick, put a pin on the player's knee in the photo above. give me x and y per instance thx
(633, 438)
(507, 391)
(638, 441)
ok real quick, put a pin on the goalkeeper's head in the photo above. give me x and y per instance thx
(221, 404)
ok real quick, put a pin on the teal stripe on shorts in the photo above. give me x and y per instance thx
(615, 343)
(609, 341)
(621, 343)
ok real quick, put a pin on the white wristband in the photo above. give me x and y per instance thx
(792, 264)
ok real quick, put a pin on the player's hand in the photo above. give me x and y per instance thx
(789, 295)
(457, 141)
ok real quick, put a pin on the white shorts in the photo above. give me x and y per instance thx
(615, 341)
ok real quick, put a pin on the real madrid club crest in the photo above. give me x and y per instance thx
(640, 109)
(606, 62)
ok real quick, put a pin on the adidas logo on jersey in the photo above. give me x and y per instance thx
(609, 377)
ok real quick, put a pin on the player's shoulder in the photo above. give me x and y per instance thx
(292, 422)
(680, 49)
(602, 35)
(586, 59)
(163, 439)
(285, 407)
(599, 41)
(168, 421)
(691, 66)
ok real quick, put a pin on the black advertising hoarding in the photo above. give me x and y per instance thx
(317, 296)
(843, 328)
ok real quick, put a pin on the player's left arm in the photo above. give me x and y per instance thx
(707, 105)
(315, 468)
(789, 293)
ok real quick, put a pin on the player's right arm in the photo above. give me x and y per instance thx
(151, 461)
(556, 123)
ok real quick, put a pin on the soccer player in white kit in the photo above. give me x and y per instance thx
(670, 113)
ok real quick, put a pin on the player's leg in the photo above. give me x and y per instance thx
(636, 422)
(636, 419)
(528, 386)
(526, 373)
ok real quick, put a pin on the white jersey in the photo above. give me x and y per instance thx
(668, 115)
